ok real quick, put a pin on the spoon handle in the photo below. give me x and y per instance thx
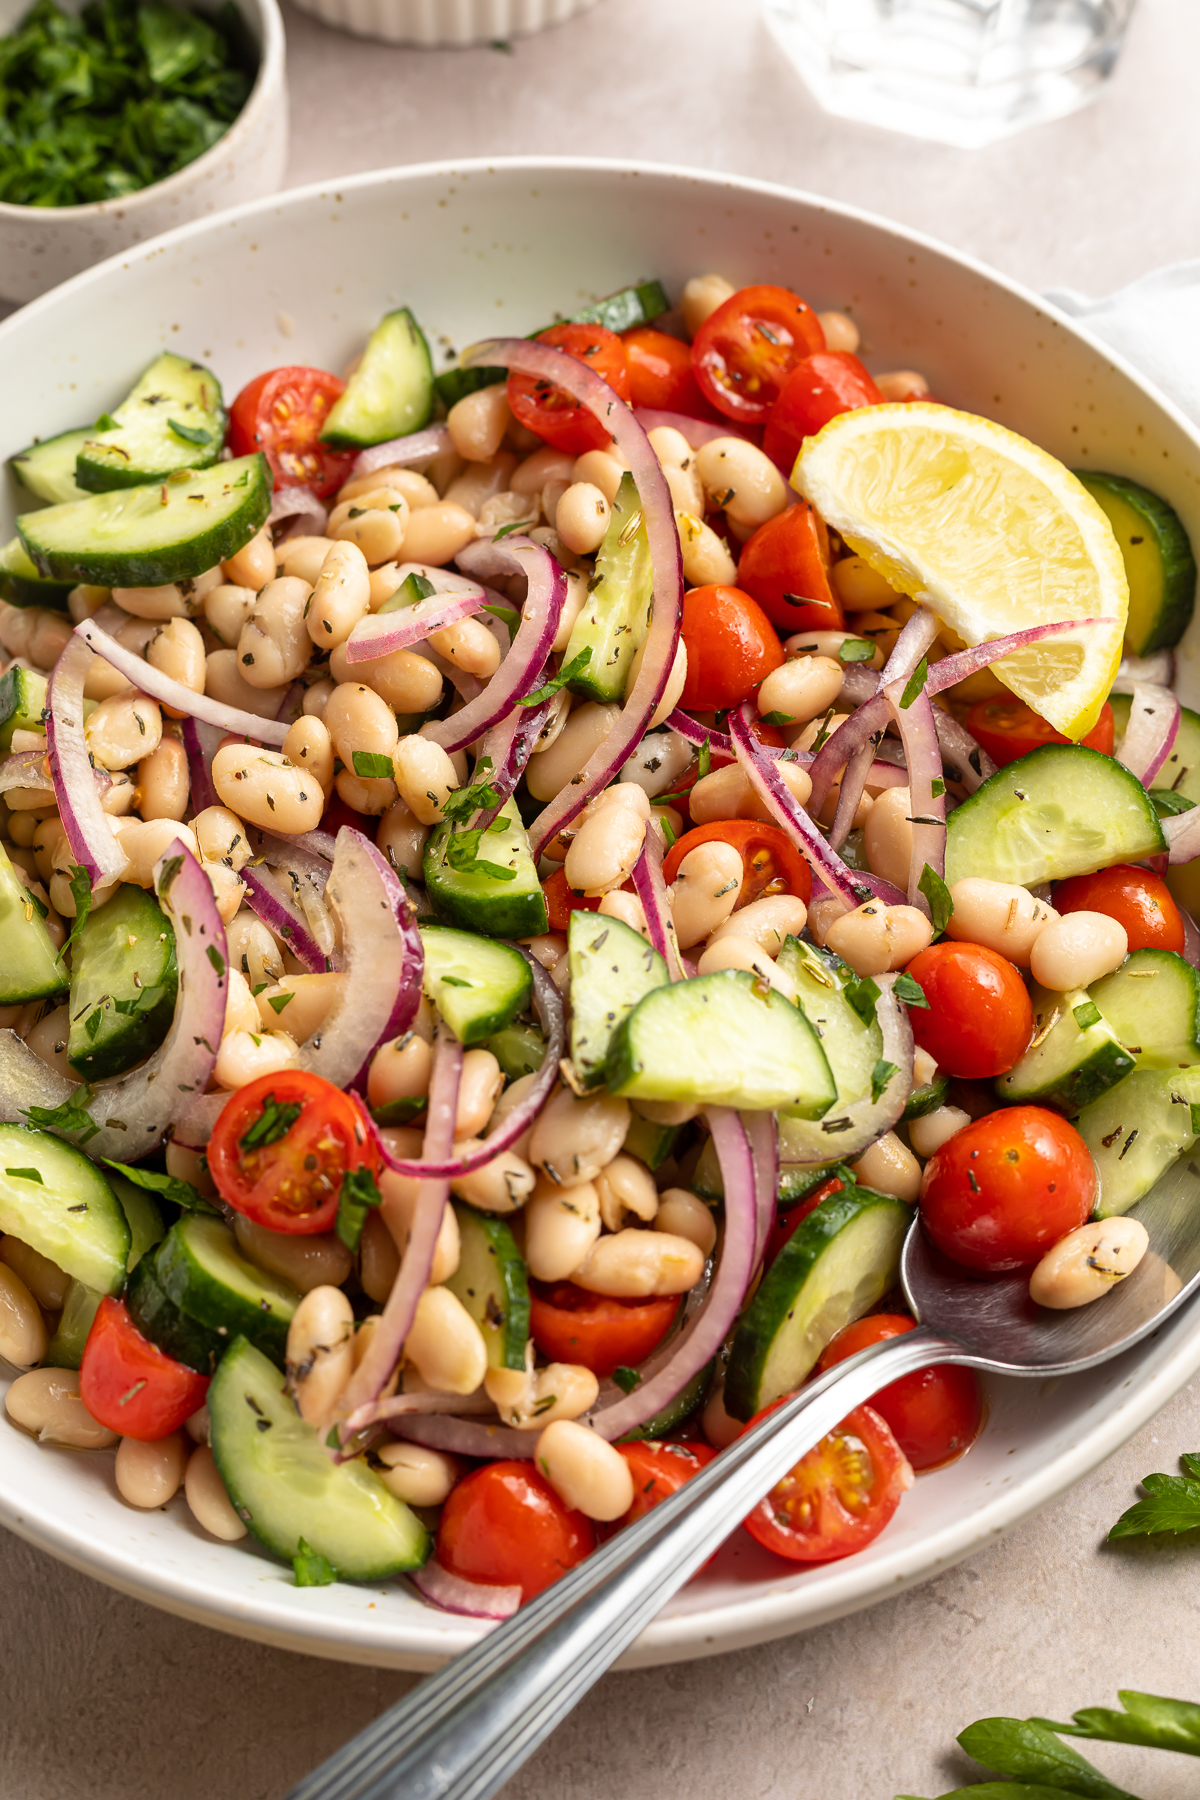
(465, 1732)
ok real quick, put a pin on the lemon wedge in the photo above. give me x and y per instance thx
(991, 533)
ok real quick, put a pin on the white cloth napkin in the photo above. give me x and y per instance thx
(1155, 322)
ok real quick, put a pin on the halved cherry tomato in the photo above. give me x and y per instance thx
(282, 413)
(839, 1496)
(979, 1019)
(731, 648)
(660, 373)
(550, 411)
(784, 568)
(129, 1384)
(281, 1146)
(770, 861)
(817, 390)
(562, 900)
(1002, 1190)
(505, 1526)
(1139, 901)
(660, 1470)
(1007, 728)
(787, 1222)
(568, 1324)
(745, 350)
(934, 1415)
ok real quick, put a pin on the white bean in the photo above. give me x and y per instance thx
(163, 781)
(340, 598)
(531, 1399)
(45, 1280)
(718, 1427)
(934, 1129)
(470, 646)
(252, 949)
(727, 793)
(902, 384)
(445, 1345)
(47, 1404)
(254, 564)
(560, 1229)
(241, 1008)
(706, 557)
(700, 299)
(22, 1329)
(478, 421)
(479, 1088)
(144, 844)
(584, 1470)
(267, 788)
(671, 694)
(841, 333)
(741, 480)
(302, 557)
(357, 719)
(581, 519)
(803, 688)
(246, 1055)
(425, 776)
(436, 534)
(502, 1185)
(545, 465)
(875, 938)
(1078, 949)
(408, 682)
(401, 837)
(376, 522)
(997, 914)
(306, 1260)
(274, 647)
(859, 587)
(890, 1168)
(1087, 1263)
(574, 1139)
(210, 1505)
(476, 483)
(400, 1070)
(626, 1187)
(737, 952)
(320, 1353)
(604, 850)
(309, 746)
(123, 730)
(226, 610)
(599, 470)
(150, 1474)
(177, 650)
(705, 891)
(632, 1265)
(888, 836)
(224, 681)
(418, 1476)
(551, 767)
(768, 922)
(682, 1214)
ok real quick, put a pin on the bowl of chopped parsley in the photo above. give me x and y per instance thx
(121, 118)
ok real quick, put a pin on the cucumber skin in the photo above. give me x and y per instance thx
(416, 414)
(21, 585)
(927, 1099)
(32, 968)
(101, 474)
(484, 1022)
(675, 1411)
(265, 1329)
(1177, 599)
(165, 1325)
(485, 1235)
(124, 1039)
(479, 903)
(92, 1247)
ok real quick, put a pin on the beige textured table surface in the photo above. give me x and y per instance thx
(105, 1699)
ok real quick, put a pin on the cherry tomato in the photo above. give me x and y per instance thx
(979, 1019)
(660, 1470)
(1002, 1190)
(570, 1325)
(731, 648)
(839, 1496)
(1007, 728)
(1136, 899)
(282, 413)
(770, 861)
(784, 568)
(281, 1146)
(817, 390)
(660, 374)
(129, 1384)
(787, 1222)
(562, 900)
(551, 411)
(745, 350)
(505, 1526)
(935, 1415)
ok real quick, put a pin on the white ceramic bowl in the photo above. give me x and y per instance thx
(480, 248)
(43, 245)
(451, 23)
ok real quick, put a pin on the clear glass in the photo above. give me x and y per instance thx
(957, 71)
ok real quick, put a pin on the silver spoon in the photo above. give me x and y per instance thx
(466, 1730)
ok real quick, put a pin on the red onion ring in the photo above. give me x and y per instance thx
(470, 1598)
(299, 505)
(784, 808)
(403, 452)
(381, 633)
(27, 769)
(651, 890)
(964, 760)
(544, 362)
(294, 857)
(763, 1137)
(699, 734)
(916, 635)
(317, 843)
(173, 693)
(918, 734)
(88, 827)
(285, 920)
(1150, 734)
(201, 743)
(850, 793)
(956, 668)
(698, 432)
(854, 1128)
(1158, 669)
(1182, 832)
(509, 746)
(1191, 937)
(464, 1437)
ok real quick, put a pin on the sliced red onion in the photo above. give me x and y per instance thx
(509, 746)
(1191, 937)
(846, 1131)
(88, 827)
(399, 1406)
(699, 734)
(386, 1347)
(464, 1437)
(521, 669)
(1158, 669)
(318, 843)
(1182, 832)
(265, 897)
(201, 742)
(786, 810)
(651, 890)
(859, 683)
(698, 432)
(296, 856)
(763, 1137)
(25, 1081)
(173, 693)
(546, 363)
(850, 792)
(702, 1337)
(404, 452)
(870, 720)
(381, 633)
(291, 706)
(25, 769)
(952, 669)
(918, 734)
(549, 1006)
(1150, 734)
(864, 726)
(963, 759)
(470, 1598)
(299, 506)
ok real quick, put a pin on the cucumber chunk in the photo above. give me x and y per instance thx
(150, 535)
(55, 1199)
(1075, 1055)
(519, 1049)
(173, 419)
(851, 1046)
(21, 584)
(725, 1039)
(1062, 810)
(158, 1318)
(675, 1411)
(199, 1266)
(124, 981)
(1159, 563)
(796, 1180)
(477, 901)
(927, 1098)
(650, 1143)
(48, 469)
(390, 393)
(31, 968)
(612, 968)
(835, 1266)
(145, 1221)
(1137, 1131)
(478, 985)
(1152, 1003)
(22, 703)
(615, 616)
(490, 1281)
(286, 1486)
(65, 1350)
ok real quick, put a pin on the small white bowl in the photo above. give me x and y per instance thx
(42, 245)
(444, 22)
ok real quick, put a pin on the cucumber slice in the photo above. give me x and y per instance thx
(796, 1181)
(519, 1049)
(31, 968)
(174, 419)
(1075, 1055)
(612, 968)
(615, 616)
(158, 1318)
(675, 1411)
(22, 703)
(147, 536)
(835, 1266)
(286, 1486)
(55, 1199)
(1152, 1003)
(490, 1281)
(21, 585)
(478, 985)
(927, 1098)
(390, 393)
(650, 1143)
(145, 1221)
(124, 980)
(851, 1046)
(48, 469)
(199, 1266)
(726, 1040)
(1159, 563)
(1062, 810)
(65, 1350)
(477, 901)
(1137, 1131)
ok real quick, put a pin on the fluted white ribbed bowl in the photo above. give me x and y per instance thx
(443, 22)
